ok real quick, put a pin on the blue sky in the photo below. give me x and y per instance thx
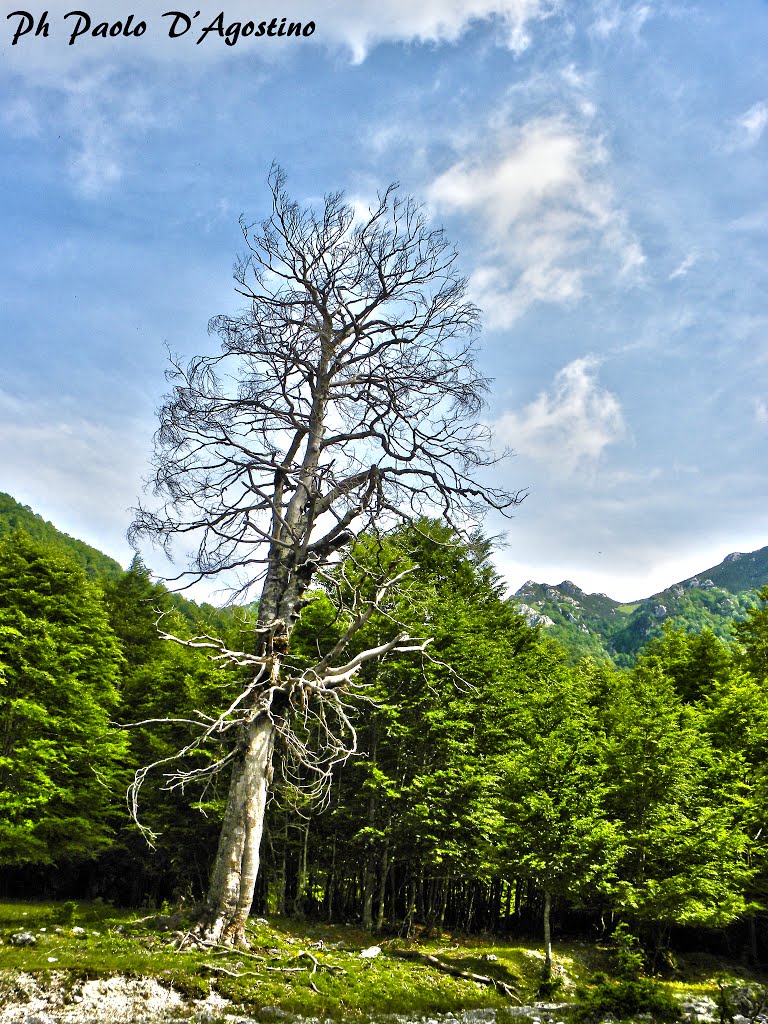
(601, 167)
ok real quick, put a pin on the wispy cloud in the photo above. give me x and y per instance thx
(761, 412)
(20, 118)
(752, 124)
(612, 17)
(360, 26)
(92, 91)
(685, 265)
(545, 210)
(568, 426)
(100, 112)
(104, 114)
(89, 467)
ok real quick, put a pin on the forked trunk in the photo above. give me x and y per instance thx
(233, 879)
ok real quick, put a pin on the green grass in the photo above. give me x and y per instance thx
(343, 985)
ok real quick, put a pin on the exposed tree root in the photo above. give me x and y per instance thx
(193, 939)
(217, 948)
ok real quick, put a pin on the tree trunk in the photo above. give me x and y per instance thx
(443, 904)
(369, 869)
(508, 906)
(369, 882)
(495, 907)
(547, 931)
(302, 874)
(470, 908)
(410, 907)
(383, 872)
(330, 884)
(233, 878)
(282, 887)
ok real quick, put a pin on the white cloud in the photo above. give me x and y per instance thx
(568, 426)
(99, 97)
(361, 26)
(761, 412)
(102, 112)
(544, 212)
(96, 165)
(753, 123)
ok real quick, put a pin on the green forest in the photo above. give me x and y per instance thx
(498, 786)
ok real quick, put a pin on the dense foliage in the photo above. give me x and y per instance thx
(496, 783)
(59, 674)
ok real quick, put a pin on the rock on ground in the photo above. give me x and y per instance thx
(117, 1000)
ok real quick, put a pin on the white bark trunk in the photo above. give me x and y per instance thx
(236, 867)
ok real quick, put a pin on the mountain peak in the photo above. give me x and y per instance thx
(595, 624)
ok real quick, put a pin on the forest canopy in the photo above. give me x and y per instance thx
(492, 784)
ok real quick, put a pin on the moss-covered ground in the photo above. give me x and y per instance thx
(306, 969)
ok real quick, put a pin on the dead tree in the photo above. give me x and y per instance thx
(345, 396)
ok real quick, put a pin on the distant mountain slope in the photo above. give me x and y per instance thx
(596, 624)
(14, 516)
(583, 623)
(738, 571)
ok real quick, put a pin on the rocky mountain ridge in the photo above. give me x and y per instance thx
(596, 624)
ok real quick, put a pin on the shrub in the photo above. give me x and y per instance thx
(65, 914)
(625, 998)
(626, 954)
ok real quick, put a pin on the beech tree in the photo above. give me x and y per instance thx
(60, 762)
(679, 805)
(752, 633)
(344, 399)
(557, 832)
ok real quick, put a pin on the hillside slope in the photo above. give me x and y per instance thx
(585, 624)
(14, 516)
(596, 624)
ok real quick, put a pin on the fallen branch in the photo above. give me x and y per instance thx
(317, 965)
(505, 988)
(309, 956)
(232, 974)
